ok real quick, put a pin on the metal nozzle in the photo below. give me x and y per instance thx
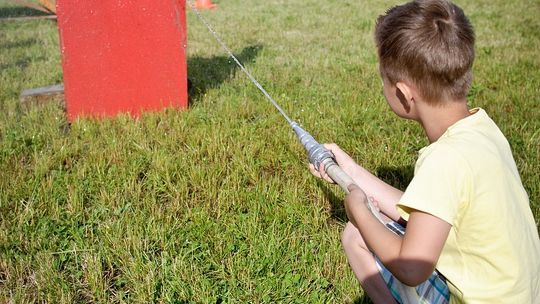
(317, 153)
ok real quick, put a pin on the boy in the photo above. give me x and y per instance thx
(466, 211)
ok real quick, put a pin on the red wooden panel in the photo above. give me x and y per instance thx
(122, 55)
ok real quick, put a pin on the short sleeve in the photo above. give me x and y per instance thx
(440, 185)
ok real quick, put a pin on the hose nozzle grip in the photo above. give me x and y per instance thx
(317, 153)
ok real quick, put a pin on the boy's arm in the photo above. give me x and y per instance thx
(412, 258)
(386, 195)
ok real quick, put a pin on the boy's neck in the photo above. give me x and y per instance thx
(436, 120)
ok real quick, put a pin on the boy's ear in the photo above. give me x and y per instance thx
(405, 95)
(406, 90)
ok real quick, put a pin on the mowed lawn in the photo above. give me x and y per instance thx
(215, 204)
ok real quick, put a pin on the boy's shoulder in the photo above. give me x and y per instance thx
(468, 151)
(475, 136)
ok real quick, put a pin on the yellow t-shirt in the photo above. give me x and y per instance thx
(469, 179)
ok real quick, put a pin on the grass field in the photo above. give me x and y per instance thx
(215, 204)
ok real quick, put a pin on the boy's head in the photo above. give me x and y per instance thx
(430, 44)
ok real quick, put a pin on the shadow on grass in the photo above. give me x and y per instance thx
(209, 73)
(398, 177)
(336, 203)
(14, 12)
(19, 11)
(19, 44)
(22, 63)
(363, 300)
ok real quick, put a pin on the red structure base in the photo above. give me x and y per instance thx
(122, 56)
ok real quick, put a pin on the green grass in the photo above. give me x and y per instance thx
(215, 204)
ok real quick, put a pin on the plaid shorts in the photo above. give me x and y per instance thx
(434, 290)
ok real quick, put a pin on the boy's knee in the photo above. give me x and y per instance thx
(351, 237)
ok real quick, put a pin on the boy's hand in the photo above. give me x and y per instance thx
(343, 160)
(355, 200)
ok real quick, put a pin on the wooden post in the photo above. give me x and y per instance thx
(122, 56)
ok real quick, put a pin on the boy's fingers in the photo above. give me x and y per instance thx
(325, 175)
(353, 187)
(331, 146)
(334, 148)
(320, 173)
(313, 171)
